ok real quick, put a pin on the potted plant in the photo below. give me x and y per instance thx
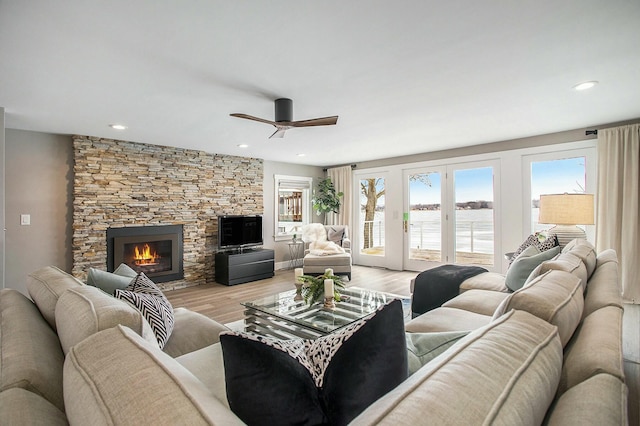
(313, 287)
(325, 198)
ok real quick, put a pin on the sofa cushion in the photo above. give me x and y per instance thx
(116, 377)
(328, 380)
(603, 289)
(504, 373)
(599, 400)
(563, 262)
(145, 296)
(30, 354)
(191, 331)
(555, 296)
(605, 256)
(483, 302)
(86, 310)
(485, 281)
(208, 366)
(585, 251)
(595, 348)
(45, 287)
(19, 407)
(110, 281)
(526, 262)
(424, 347)
(447, 319)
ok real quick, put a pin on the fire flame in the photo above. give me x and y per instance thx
(144, 256)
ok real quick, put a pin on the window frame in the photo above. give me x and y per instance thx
(288, 183)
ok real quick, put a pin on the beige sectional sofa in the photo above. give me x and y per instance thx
(547, 353)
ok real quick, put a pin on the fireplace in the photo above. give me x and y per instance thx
(154, 250)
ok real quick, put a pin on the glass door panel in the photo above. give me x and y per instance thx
(474, 216)
(372, 219)
(423, 224)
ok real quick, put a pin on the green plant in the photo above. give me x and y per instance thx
(325, 198)
(313, 287)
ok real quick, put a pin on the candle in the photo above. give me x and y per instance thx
(328, 271)
(297, 273)
(328, 288)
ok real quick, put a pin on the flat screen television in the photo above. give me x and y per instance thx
(239, 231)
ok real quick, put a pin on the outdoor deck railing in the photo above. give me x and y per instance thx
(427, 234)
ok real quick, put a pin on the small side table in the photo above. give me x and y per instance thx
(296, 253)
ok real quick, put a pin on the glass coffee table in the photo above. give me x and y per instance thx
(283, 317)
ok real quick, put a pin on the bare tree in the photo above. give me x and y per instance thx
(369, 188)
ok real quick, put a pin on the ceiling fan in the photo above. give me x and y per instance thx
(284, 118)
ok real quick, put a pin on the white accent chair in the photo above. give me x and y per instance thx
(315, 262)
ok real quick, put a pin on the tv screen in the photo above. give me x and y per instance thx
(239, 231)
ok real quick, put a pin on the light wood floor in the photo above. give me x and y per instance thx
(222, 303)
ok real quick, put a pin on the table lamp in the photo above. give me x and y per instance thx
(566, 211)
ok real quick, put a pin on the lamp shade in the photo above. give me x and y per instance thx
(566, 209)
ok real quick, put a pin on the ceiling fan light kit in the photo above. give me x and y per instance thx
(284, 118)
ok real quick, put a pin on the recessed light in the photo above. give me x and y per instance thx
(301, 155)
(243, 145)
(118, 126)
(585, 85)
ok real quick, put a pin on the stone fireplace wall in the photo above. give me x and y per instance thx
(119, 183)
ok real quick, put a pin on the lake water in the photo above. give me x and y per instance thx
(474, 230)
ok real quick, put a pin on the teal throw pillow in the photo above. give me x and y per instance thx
(423, 347)
(525, 263)
(110, 281)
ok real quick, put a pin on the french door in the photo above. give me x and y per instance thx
(449, 215)
(371, 241)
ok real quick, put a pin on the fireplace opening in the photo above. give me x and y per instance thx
(154, 250)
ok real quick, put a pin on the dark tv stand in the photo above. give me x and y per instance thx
(243, 266)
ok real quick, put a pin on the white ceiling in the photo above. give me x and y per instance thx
(404, 76)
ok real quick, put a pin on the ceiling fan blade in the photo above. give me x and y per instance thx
(251, 117)
(324, 121)
(279, 133)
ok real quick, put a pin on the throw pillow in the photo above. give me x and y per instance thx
(145, 296)
(110, 281)
(423, 347)
(336, 235)
(538, 240)
(328, 380)
(524, 264)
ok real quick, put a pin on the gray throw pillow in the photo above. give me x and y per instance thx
(525, 263)
(110, 281)
(423, 347)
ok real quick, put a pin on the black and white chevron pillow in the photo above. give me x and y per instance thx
(146, 297)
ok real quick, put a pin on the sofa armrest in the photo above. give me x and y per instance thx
(192, 331)
(346, 244)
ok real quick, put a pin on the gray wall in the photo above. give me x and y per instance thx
(2, 189)
(39, 181)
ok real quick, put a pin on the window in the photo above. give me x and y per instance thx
(292, 205)
(557, 176)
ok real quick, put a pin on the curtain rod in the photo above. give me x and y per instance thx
(591, 132)
(353, 166)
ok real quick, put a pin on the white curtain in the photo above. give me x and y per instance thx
(342, 178)
(618, 202)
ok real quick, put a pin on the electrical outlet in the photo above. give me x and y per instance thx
(25, 219)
